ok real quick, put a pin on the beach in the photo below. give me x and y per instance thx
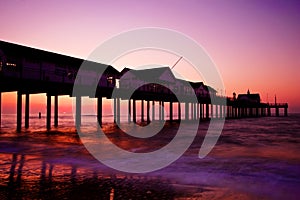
(255, 158)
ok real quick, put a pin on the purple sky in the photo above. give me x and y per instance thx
(255, 44)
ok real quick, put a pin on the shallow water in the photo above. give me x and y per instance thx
(254, 158)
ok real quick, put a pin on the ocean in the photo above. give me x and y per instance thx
(254, 158)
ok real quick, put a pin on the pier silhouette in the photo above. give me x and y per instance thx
(31, 71)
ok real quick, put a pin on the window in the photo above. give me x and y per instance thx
(11, 64)
(110, 80)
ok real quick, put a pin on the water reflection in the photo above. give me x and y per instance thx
(30, 178)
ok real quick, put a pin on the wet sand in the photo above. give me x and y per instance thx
(243, 165)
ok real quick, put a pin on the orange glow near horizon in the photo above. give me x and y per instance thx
(254, 44)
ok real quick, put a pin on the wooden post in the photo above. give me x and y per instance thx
(115, 110)
(201, 111)
(285, 111)
(99, 110)
(26, 110)
(192, 111)
(19, 111)
(56, 111)
(153, 110)
(186, 111)
(0, 108)
(78, 112)
(142, 109)
(195, 111)
(134, 111)
(118, 110)
(163, 110)
(228, 114)
(207, 110)
(179, 111)
(171, 111)
(277, 111)
(148, 111)
(48, 120)
(129, 111)
(159, 111)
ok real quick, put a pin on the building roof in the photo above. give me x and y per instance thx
(196, 85)
(150, 75)
(249, 98)
(19, 51)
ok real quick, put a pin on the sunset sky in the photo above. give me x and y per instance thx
(255, 44)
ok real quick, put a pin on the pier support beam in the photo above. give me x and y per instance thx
(277, 111)
(186, 111)
(196, 112)
(48, 120)
(192, 109)
(148, 111)
(99, 110)
(142, 111)
(129, 111)
(200, 110)
(78, 112)
(207, 111)
(26, 110)
(153, 110)
(179, 111)
(134, 111)
(171, 111)
(0, 108)
(118, 110)
(56, 111)
(159, 111)
(115, 110)
(163, 110)
(19, 111)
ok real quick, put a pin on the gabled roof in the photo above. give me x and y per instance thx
(196, 85)
(19, 51)
(153, 74)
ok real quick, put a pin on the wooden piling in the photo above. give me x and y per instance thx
(99, 110)
(26, 110)
(19, 111)
(134, 111)
(78, 111)
(56, 111)
(171, 111)
(48, 117)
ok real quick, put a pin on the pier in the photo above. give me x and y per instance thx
(32, 71)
